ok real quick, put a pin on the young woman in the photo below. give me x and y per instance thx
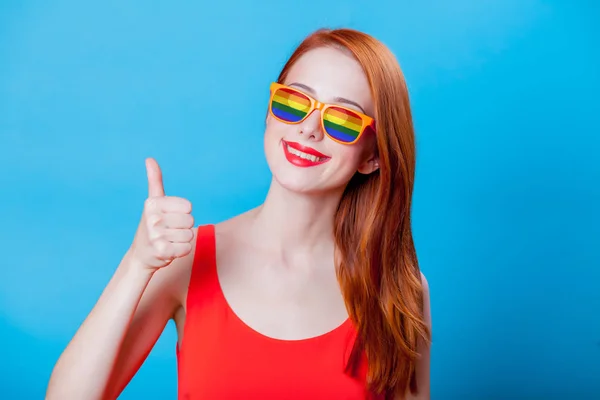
(315, 294)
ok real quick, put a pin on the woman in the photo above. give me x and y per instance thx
(315, 294)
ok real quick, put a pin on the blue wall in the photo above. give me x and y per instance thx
(507, 200)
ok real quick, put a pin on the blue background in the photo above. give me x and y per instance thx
(507, 196)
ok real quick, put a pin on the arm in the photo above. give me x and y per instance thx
(132, 311)
(118, 334)
(162, 298)
(423, 365)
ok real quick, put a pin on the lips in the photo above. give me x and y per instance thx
(303, 156)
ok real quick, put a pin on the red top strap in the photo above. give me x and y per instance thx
(223, 358)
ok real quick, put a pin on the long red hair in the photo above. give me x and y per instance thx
(377, 263)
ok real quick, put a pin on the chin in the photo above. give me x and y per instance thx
(296, 181)
(302, 181)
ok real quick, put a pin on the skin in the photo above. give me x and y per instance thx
(274, 262)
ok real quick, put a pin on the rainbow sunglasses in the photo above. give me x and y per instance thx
(341, 124)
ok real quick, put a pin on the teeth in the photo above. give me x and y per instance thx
(303, 155)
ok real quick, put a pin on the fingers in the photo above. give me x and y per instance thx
(170, 221)
(167, 251)
(167, 223)
(178, 221)
(155, 182)
(168, 204)
(178, 235)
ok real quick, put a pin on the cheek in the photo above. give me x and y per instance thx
(272, 136)
(274, 128)
(348, 156)
(272, 140)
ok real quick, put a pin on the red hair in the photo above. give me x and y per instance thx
(377, 263)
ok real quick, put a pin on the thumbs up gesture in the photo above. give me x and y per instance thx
(165, 230)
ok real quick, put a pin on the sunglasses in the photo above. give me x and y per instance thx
(341, 124)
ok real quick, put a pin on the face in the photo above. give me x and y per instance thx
(329, 76)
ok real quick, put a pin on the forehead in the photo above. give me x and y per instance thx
(332, 73)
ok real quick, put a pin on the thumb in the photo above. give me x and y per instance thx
(155, 182)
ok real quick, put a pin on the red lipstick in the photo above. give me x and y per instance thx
(303, 156)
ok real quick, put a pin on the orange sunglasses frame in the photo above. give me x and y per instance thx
(317, 105)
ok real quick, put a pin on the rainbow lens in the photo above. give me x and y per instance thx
(290, 105)
(342, 124)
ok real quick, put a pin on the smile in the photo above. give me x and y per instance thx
(303, 156)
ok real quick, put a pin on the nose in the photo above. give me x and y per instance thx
(311, 128)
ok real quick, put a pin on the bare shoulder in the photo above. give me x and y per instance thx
(426, 300)
(231, 232)
(426, 296)
(422, 367)
(180, 271)
(425, 284)
(239, 223)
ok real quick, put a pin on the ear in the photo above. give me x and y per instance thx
(369, 166)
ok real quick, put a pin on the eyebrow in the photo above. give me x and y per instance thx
(336, 99)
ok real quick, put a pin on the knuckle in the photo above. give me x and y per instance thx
(184, 249)
(183, 205)
(155, 234)
(150, 203)
(189, 221)
(161, 248)
(180, 204)
(153, 219)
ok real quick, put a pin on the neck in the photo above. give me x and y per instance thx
(296, 223)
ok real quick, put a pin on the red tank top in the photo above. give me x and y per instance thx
(223, 358)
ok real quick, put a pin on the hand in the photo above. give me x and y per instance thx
(165, 230)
